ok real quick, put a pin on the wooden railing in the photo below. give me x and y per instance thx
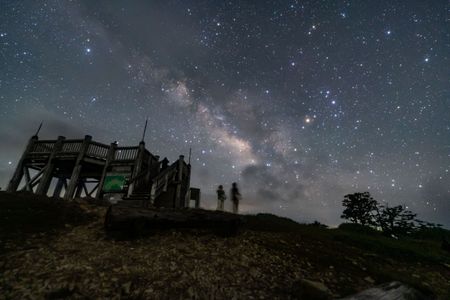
(141, 182)
(163, 179)
(43, 147)
(126, 153)
(71, 146)
(97, 150)
(146, 155)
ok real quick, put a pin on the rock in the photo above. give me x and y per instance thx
(369, 279)
(393, 290)
(308, 289)
(126, 287)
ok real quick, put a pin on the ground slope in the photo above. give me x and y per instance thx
(58, 250)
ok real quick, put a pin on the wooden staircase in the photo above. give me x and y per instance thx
(140, 199)
(145, 192)
(166, 187)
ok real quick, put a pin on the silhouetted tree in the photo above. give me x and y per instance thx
(423, 225)
(318, 224)
(360, 208)
(396, 219)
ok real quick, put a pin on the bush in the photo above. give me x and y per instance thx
(358, 228)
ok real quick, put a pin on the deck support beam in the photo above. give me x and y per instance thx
(79, 188)
(47, 175)
(179, 201)
(74, 178)
(109, 159)
(18, 173)
(93, 190)
(59, 187)
(137, 167)
(26, 172)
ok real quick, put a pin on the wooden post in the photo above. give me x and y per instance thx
(35, 180)
(58, 188)
(109, 159)
(187, 196)
(197, 201)
(179, 201)
(153, 193)
(79, 188)
(89, 194)
(18, 173)
(154, 166)
(46, 178)
(77, 169)
(26, 172)
(137, 167)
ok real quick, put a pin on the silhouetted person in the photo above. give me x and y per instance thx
(220, 197)
(235, 196)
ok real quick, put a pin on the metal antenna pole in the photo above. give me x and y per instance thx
(39, 129)
(190, 151)
(145, 129)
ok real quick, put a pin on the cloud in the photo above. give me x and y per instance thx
(15, 135)
(179, 94)
(239, 148)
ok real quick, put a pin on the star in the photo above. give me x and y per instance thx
(259, 94)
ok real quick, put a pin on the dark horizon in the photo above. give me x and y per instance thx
(300, 103)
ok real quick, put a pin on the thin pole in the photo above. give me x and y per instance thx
(190, 151)
(145, 129)
(39, 129)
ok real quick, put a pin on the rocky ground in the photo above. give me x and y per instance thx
(76, 259)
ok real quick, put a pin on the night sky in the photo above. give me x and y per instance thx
(300, 102)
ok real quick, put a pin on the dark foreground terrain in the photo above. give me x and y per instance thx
(53, 249)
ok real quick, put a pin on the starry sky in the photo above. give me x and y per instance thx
(300, 102)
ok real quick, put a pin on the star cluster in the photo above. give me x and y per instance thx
(300, 102)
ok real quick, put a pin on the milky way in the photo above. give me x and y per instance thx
(299, 102)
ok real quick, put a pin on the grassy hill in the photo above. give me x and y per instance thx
(53, 249)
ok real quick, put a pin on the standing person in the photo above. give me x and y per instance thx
(220, 197)
(235, 197)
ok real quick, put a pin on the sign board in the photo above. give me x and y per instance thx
(114, 183)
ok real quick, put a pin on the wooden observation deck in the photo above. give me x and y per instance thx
(85, 168)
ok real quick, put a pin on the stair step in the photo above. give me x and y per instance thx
(138, 197)
(133, 203)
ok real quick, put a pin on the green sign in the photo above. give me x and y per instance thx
(114, 183)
